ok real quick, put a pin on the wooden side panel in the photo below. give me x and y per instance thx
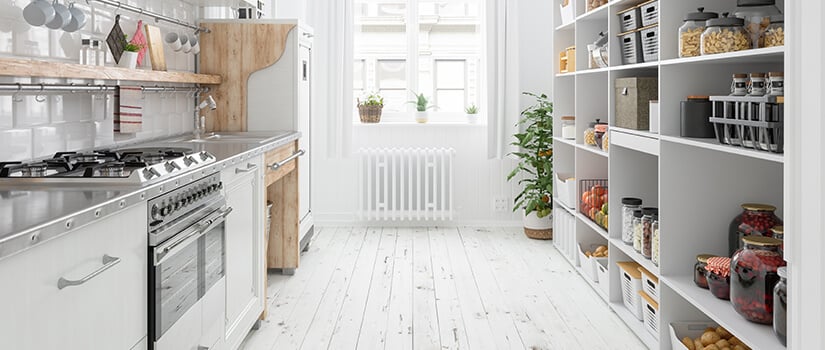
(278, 155)
(283, 249)
(235, 51)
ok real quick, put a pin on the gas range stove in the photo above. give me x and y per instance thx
(122, 166)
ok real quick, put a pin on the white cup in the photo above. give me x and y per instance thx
(78, 20)
(173, 40)
(195, 43)
(38, 12)
(62, 16)
(185, 47)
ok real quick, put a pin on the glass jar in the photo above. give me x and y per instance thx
(699, 271)
(718, 276)
(725, 34)
(776, 83)
(780, 306)
(778, 232)
(690, 33)
(568, 127)
(755, 220)
(637, 230)
(606, 142)
(594, 4)
(629, 205)
(739, 85)
(775, 34)
(655, 256)
(757, 19)
(758, 84)
(647, 231)
(590, 134)
(753, 277)
(600, 130)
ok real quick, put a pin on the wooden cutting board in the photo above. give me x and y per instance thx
(154, 40)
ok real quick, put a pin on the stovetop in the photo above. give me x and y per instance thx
(130, 165)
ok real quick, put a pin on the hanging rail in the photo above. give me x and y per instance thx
(89, 88)
(155, 15)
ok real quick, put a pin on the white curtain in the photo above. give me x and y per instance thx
(502, 80)
(332, 58)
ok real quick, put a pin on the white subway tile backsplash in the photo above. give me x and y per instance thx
(104, 133)
(17, 145)
(30, 112)
(47, 140)
(79, 135)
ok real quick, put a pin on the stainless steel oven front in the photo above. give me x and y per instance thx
(187, 256)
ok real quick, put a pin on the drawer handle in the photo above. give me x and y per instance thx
(249, 168)
(108, 263)
(278, 165)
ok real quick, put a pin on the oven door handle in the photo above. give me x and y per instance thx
(200, 229)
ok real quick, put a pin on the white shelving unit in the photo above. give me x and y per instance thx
(697, 184)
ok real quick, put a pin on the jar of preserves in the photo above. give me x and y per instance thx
(718, 276)
(780, 306)
(568, 127)
(637, 230)
(699, 271)
(649, 215)
(655, 256)
(600, 130)
(725, 34)
(778, 232)
(590, 134)
(753, 277)
(629, 205)
(690, 33)
(775, 34)
(755, 220)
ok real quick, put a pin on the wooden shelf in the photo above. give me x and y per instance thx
(46, 69)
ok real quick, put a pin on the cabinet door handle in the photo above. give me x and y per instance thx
(108, 263)
(249, 168)
(278, 165)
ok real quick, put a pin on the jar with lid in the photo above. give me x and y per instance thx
(775, 34)
(699, 270)
(757, 85)
(637, 230)
(717, 273)
(778, 232)
(600, 130)
(590, 134)
(776, 83)
(780, 306)
(650, 215)
(757, 17)
(606, 142)
(753, 277)
(690, 33)
(629, 206)
(739, 85)
(655, 256)
(644, 223)
(755, 220)
(725, 34)
(568, 127)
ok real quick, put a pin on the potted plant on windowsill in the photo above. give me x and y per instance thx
(536, 167)
(130, 54)
(422, 104)
(370, 109)
(472, 114)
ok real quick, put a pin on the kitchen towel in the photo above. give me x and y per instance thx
(129, 113)
(140, 40)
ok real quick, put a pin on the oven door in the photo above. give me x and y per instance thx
(185, 268)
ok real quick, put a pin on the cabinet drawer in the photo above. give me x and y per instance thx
(248, 165)
(278, 155)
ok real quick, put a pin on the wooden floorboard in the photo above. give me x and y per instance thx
(435, 288)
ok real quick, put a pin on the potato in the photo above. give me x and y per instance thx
(710, 337)
(723, 333)
(711, 347)
(735, 341)
(709, 329)
(722, 344)
(688, 343)
(588, 253)
(726, 349)
(698, 344)
(600, 249)
(739, 347)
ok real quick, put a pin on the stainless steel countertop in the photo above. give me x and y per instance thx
(34, 214)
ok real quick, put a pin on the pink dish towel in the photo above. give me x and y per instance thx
(140, 40)
(129, 112)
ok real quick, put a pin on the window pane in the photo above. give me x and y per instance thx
(450, 75)
(391, 74)
(450, 100)
(394, 100)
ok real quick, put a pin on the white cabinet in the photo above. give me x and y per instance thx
(108, 311)
(244, 249)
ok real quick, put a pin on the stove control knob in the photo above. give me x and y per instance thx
(169, 209)
(156, 212)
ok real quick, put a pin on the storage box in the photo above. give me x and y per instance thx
(602, 273)
(650, 43)
(650, 284)
(679, 330)
(568, 13)
(750, 121)
(633, 96)
(630, 44)
(650, 313)
(654, 117)
(631, 286)
(566, 190)
(630, 19)
(586, 263)
(649, 12)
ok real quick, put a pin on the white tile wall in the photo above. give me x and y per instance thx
(31, 129)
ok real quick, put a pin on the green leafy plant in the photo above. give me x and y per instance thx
(535, 158)
(471, 109)
(372, 99)
(421, 102)
(130, 47)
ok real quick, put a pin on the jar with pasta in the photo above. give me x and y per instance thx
(775, 34)
(725, 34)
(690, 33)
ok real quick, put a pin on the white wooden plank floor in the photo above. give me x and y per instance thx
(435, 288)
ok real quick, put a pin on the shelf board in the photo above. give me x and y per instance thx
(765, 55)
(643, 65)
(567, 26)
(571, 143)
(569, 74)
(586, 220)
(635, 325)
(638, 258)
(571, 211)
(599, 13)
(593, 149)
(640, 141)
(712, 144)
(46, 69)
(589, 281)
(593, 71)
(755, 335)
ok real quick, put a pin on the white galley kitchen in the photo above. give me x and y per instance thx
(412, 174)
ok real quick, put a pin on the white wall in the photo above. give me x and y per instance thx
(289, 9)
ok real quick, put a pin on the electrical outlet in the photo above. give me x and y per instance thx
(501, 204)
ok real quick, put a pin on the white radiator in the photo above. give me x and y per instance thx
(406, 183)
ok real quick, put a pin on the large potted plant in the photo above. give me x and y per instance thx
(535, 156)
(422, 104)
(369, 110)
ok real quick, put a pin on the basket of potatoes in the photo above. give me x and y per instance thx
(703, 336)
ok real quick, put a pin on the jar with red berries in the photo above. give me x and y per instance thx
(755, 220)
(718, 276)
(753, 277)
(778, 232)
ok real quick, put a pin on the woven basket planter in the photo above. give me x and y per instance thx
(538, 228)
(539, 234)
(370, 114)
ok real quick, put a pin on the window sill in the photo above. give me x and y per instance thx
(415, 124)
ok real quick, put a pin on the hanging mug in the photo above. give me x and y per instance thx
(78, 20)
(173, 40)
(38, 13)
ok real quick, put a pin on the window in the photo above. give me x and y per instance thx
(426, 46)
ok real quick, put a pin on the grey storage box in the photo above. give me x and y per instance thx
(630, 19)
(649, 12)
(650, 43)
(633, 96)
(630, 44)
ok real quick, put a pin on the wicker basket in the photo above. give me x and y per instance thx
(370, 114)
(539, 234)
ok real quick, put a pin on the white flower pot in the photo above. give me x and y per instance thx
(422, 117)
(538, 228)
(472, 118)
(128, 60)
